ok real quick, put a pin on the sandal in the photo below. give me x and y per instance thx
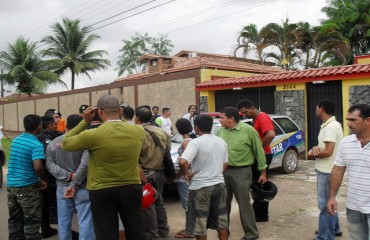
(183, 234)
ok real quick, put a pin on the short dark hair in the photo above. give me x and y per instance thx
(231, 112)
(145, 106)
(51, 112)
(143, 114)
(246, 103)
(328, 106)
(183, 126)
(155, 107)
(128, 112)
(31, 122)
(204, 123)
(363, 108)
(196, 109)
(46, 121)
(164, 110)
(73, 120)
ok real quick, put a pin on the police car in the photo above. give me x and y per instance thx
(287, 147)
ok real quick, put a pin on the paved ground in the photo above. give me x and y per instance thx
(293, 213)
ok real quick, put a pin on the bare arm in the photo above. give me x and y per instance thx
(267, 138)
(317, 152)
(335, 181)
(38, 165)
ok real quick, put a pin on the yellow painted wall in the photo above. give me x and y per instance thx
(346, 84)
(364, 60)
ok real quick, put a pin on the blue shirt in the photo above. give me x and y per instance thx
(24, 149)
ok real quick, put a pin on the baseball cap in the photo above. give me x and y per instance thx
(83, 108)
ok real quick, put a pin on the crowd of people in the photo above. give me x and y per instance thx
(95, 163)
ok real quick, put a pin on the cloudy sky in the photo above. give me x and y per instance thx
(200, 25)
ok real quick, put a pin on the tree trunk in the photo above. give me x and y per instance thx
(73, 79)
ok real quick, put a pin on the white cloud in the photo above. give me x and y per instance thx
(203, 29)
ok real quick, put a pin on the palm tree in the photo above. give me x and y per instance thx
(250, 39)
(161, 45)
(282, 37)
(323, 46)
(352, 19)
(128, 59)
(70, 45)
(25, 68)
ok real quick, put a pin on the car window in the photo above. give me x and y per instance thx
(277, 129)
(286, 124)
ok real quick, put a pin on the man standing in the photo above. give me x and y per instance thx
(70, 170)
(330, 135)
(155, 111)
(151, 162)
(244, 147)
(208, 157)
(164, 121)
(25, 170)
(49, 201)
(354, 156)
(113, 175)
(265, 128)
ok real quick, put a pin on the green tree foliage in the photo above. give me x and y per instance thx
(352, 19)
(321, 46)
(138, 45)
(69, 46)
(25, 69)
(250, 39)
(282, 37)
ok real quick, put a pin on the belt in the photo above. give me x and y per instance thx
(233, 167)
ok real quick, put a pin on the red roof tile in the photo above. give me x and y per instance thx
(307, 75)
(204, 60)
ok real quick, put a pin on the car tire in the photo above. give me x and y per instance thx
(290, 161)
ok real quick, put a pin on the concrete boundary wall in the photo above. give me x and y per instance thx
(176, 90)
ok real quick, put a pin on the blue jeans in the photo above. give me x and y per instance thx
(66, 208)
(328, 224)
(183, 189)
(358, 225)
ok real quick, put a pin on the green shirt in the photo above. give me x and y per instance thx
(244, 146)
(114, 149)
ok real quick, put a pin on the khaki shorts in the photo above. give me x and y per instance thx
(206, 208)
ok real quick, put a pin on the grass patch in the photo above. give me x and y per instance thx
(6, 148)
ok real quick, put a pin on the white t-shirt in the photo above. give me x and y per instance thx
(187, 116)
(331, 131)
(207, 155)
(164, 123)
(357, 162)
(1, 135)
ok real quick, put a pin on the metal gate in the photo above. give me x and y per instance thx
(263, 97)
(317, 91)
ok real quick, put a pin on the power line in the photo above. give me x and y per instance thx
(133, 15)
(123, 12)
(175, 20)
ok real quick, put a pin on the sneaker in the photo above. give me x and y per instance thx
(49, 232)
(338, 234)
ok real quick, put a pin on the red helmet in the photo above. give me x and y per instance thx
(149, 195)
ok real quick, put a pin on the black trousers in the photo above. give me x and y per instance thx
(107, 203)
(261, 209)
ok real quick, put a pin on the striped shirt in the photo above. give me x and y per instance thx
(23, 151)
(357, 162)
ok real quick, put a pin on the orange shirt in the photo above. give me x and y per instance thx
(62, 125)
